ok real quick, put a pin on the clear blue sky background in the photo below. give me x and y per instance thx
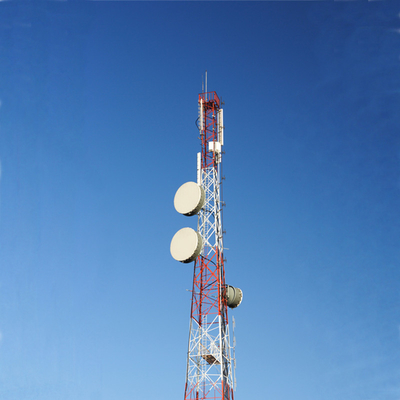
(97, 131)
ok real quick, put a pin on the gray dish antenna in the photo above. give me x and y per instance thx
(189, 199)
(234, 296)
(186, 245)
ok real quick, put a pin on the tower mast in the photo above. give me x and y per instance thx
(209, 359)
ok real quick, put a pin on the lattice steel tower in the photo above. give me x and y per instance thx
(210, 358)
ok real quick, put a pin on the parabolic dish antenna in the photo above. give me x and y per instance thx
(189, 199)
(186, 245)
(234, 296)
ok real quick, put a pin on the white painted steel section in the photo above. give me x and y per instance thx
(206, 355)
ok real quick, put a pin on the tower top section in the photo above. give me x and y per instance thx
(211, 98)
(211, 128)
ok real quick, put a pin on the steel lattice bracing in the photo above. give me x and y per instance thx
(209, 363)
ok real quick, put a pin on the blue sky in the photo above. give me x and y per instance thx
(97, 132)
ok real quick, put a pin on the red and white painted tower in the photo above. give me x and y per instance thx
(210, 365)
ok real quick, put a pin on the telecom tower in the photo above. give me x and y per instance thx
(210, 358)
